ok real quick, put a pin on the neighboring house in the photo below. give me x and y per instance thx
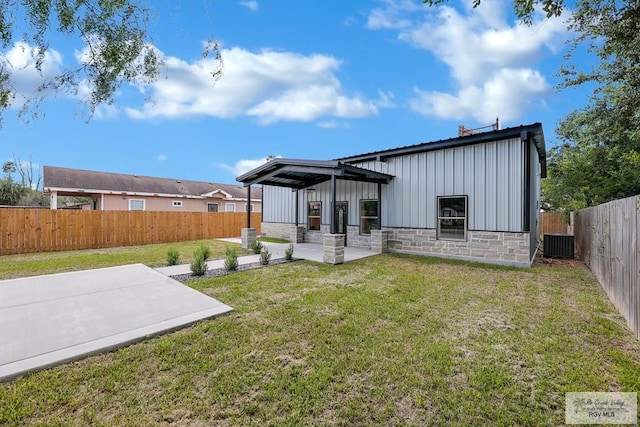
(114, 191)
(475, 197)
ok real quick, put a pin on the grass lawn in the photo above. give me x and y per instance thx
(387, 340)
(12, 266)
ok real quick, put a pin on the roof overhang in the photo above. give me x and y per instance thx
(298, 174)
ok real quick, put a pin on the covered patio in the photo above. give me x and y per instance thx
(304, 174)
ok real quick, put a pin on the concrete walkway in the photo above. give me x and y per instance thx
(308, 251)
(52, 319)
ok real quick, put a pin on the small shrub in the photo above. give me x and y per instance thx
(199, 264)
(265, 256)
(256, 246)
(288, 253)
(206, 250)
(231, 259)
(173, 256)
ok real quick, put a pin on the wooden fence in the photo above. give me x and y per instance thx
(608, 241)
(45, 230)
(551, 222)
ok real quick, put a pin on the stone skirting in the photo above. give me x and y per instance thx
(484, 246)
(276, 230)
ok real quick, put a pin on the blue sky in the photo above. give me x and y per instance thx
(315, 80)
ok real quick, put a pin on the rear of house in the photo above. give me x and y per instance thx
(474, 197)
(110, 191)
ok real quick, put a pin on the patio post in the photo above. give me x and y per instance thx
(379, 206)
(333, 204)
(249, 206)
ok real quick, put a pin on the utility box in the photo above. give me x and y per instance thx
(558, 246)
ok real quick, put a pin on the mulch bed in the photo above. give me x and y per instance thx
(218, 272)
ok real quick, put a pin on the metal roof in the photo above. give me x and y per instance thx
(298, 174)
(533, 131)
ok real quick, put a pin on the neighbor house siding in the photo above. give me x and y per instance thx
(119, 202)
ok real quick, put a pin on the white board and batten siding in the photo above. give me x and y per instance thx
(490, 174)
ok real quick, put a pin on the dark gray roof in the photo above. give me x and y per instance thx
(533, 131)
(79, 179)
(294, 173)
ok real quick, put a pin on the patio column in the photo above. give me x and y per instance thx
(333, 248)
(53, 203)
(248, 235)
(379, 206)
(297, 205)
(249, 206)
(333, 206)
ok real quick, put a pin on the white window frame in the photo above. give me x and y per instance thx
(144, 204)
(227, 205)
(367, 217)
(176, 203)
(252, 207)
(217, 205)
(463, 218)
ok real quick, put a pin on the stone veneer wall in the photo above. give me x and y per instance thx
(484, 246)
(277, 230)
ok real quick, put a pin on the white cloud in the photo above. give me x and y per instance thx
(267, 85)
(25, 78)
(252, 5)
(244, 165)
(162, 157)
(391, 16)
(507, 95)
(492, 62)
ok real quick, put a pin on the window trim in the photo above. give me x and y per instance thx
(361, 217)
(464, 219)
(309, 216)
(226, 207)
(144, 204)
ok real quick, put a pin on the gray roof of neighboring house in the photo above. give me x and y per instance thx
(79, 179)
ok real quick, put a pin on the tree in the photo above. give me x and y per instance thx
(10, 191)
(118, 46)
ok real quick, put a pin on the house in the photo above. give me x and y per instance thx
(114, 191)
(474, 197)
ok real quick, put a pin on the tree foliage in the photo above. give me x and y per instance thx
(118, 46)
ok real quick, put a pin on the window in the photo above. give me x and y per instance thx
(313, 221)
(368, 216)
(212, 207)
(452, 217)
(176, 203)
(136, 204)
(230, 207)
(245, 207)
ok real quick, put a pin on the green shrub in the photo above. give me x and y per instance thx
(206, 250)
(173, 256)
(288, 253)
(256, 246)
(230, 259)
(199, 264)
(265, 256)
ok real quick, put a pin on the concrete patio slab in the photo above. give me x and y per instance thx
(48, 320)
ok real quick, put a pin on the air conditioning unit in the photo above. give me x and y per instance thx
(558, 246)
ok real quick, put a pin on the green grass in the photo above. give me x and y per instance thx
(12, 266)
(387, 340)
